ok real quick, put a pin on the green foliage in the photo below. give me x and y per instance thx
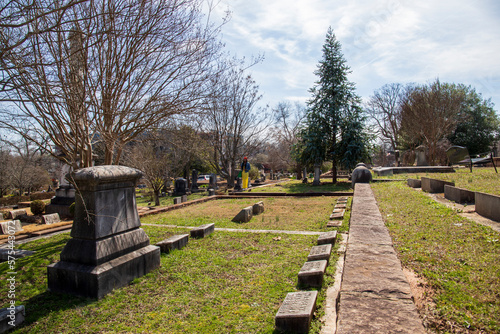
(37, 207)
(254, 173)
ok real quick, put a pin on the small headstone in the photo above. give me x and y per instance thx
(10, 317)
(335, 210)
(258, 208)
(327, 238)
(18, 253)
(177, 200)
(180, 186)
(51, 218)
(202, 231)
(17, 213)
(334, 223)
(174, 242)
(341, 201)
(211, 192)
(194, 181)
(338, 215)
(340, 206)
(184, 198)
(321, 252)
(213, 181)
(414, 183)
(296, 312)
(317, 173)
(361, 175)
(244, 215)
(12, 226)
(311, 273)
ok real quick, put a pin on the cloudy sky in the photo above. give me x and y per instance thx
(382, 41)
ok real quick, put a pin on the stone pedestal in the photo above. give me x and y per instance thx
(108, 248)
(65, 196)
(317, 173)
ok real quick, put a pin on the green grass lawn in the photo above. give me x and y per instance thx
(482, 179)
(291, 213)
(296, 186)
(459, 258)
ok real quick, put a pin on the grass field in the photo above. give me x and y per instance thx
(290, 213)
(458, 258)
(296, 186)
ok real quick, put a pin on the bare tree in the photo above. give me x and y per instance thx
(429, 115)
(233, 123)
(106, 71)
(288, 119)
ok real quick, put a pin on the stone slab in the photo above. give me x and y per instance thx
(51, 218)
(337, 215)
(244, 216)
(414, 183)
(258, 208)
(342, 201)
(13, 214)
(11, 227)
(202, 231)
(367, 313)
(96, 252)
(1, 215)
(177, 200)
(327, 238)
(434, 186)
(10, 317)
(97, 281)
(184, 198)
(321, 252)
(311, 273)
(488, 206)
(340, 206)
(211, 192)
(337, 210)
(374, 234)
(16, 253)
(296, 312)
(459, 195)
(334, 223)
(175, 242)
(386, 171)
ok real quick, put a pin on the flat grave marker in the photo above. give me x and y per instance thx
(296, 312)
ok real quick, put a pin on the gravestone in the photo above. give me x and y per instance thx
(174, 242)
(237, 186)
(51, 218)
(11, 227)
(244, 215)
(60, 203)
(456, 154)
(18, 253)
(211, 192)
(311, 273)
(317, 173)
(321, 252)
(184, 198)
(414, 183)
(296, 312)
(421, 156)
(194, 181)
(327, 238)
(202, 231)
(11, 315)
(258, 208)
(180, 186)
(17, 213)
(108, 249)
(177, 200)
(213, 182)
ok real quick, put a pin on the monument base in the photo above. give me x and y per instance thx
(97, 281)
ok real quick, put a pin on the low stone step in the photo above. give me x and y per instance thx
(327, 238)
(296, 312)
(202, 231)
(311, 273)
(175, 242)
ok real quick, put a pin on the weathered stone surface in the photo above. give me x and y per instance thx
(96, 252)
(342, 201)
(211, 192)
(488, 206)
(1, 215)
(14, 315)
(368, 313)
(387, 171)
(327, 238)
(174, 242)
(337, 210)
(334, 223)
(414, 183)
(51, 218)
(296, 312)
(459, 195)
(184, 198)
(180, 186)
(321, 252)
(18, 253)
(97, 281)
(337, 215)
(311, 273)
(258, 208)
(177, 200)
(11, 227)
(340, 206)
(244, 215)
(369, 234)
(434, 186)
(361, 175)
(202, 231)
(14, 214)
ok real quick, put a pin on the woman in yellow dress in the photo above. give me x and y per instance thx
(245, 170)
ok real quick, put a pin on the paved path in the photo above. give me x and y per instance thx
(375, 295)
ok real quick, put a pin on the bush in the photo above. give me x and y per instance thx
(44, 195)
(37, 207)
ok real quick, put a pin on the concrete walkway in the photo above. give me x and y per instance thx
(375, 295)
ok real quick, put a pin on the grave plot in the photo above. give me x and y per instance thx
(296, 214)
(230, 282)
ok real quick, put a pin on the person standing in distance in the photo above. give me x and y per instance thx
(245, 170)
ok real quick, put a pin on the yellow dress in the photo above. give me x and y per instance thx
(244, 179)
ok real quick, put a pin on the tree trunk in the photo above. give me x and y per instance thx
(156, 194)
(334, 171)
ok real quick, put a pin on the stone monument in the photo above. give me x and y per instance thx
(317, 173)
(180, 186)
(108, 248)
(213, 182)
(65, 195)
(194, 181)
(361, 175)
